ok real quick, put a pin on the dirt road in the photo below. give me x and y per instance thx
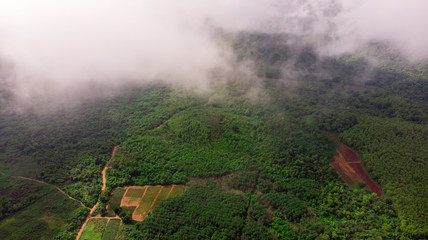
(98, 202)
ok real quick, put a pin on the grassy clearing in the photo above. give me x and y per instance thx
(115, 200)
(179, 189)
(94, 229)
(147, 200)
(111, 229)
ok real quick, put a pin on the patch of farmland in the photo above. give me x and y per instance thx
(162, 195)
(177, 190)
(133, 195)
(115, 200)
(112, 229)
(146, 203)
(94, 229)
(138, 201)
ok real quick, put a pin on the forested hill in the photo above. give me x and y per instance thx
(250, 153)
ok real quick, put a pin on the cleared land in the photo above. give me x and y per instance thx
(145, 204)
(163, 195)
(141, 200)
(348, 165)
(133, 196)
(177, 190)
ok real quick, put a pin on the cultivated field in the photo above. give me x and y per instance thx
(133, 200)
(146, 197)
(94, 229)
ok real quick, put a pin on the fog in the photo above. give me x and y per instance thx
(58, 52)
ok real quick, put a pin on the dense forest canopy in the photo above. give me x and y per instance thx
(249, 151)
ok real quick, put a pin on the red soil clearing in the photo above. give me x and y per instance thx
(350, 155)
(350, 168)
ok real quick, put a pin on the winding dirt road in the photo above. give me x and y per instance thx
(96, 204)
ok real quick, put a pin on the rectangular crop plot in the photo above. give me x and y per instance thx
(177, 190)
(115, 200)
(111, 229)
(133, 196)
(146, 202)
(162, 195)
(94, 229)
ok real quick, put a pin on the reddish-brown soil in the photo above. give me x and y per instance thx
(350, 155)
(371, 185)
(114, 151)
(348, 165)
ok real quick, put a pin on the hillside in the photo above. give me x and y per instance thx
(250, 154)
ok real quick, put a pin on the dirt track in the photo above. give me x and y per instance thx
(70, 197)
(96, 204)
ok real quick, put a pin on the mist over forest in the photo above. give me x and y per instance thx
(199, 119)
(61, 52)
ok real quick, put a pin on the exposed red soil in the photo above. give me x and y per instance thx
(350, 155)
(114, 151)
(371, 185)
(350, 168)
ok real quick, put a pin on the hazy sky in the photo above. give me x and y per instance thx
(65, 49)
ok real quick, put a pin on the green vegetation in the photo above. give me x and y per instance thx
(396, 152)
(148, 199)
(162, 195)
(94, 229)
(114, 201)
(111, 229)
(37, 211)
(253, 169)
(176, 191)
(224, 222)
